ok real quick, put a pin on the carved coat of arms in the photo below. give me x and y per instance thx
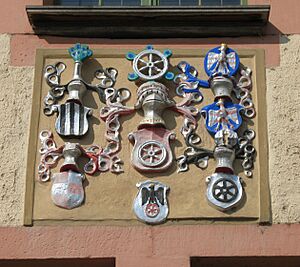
(67, 190)
(151, 204)
(72, 119)
(220, 113)
(222, 120)
(151, 151)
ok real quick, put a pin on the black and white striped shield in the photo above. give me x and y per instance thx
(72, 119)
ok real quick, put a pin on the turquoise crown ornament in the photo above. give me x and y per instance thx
(80, 52)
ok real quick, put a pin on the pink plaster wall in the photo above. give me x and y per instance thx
(284, 15)
(147, 246)
(283, 19)
(13, 16)
(23, 47)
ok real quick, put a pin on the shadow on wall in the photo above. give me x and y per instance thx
(270, 41)
(271, 36)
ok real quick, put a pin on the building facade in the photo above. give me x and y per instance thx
(104, 230)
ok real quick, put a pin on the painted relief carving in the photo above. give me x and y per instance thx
(67, 188)
(228, 80)
(110, 114)
(151, 204)
(72, 121)
(151, 141)
(152, 151)
(72, 116)
(224, 119)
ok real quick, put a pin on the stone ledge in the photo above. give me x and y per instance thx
(148, 22)
(42, 242)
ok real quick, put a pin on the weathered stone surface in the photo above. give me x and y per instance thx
(15, 103)
(283, 101)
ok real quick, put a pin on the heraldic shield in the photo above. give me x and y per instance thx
(72, 119)
(224, 191)
(217, 115)
(150, 204)
(151, 151)
(67, 189)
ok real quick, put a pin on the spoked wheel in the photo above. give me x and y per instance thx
(150, 64)
(152, 153)
(225, 190)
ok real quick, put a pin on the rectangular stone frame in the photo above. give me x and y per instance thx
(257, 55)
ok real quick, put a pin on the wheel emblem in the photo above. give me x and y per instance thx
(224, 190)
(150, 64)
(152, 210)
(152, 153)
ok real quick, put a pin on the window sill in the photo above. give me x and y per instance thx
(148, 22)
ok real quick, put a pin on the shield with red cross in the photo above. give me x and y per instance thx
(67, 189)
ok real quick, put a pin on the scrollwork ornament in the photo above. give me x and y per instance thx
(246, 151)
(115, 98)
(188, 88)
(242, 91)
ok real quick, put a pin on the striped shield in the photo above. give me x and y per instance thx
(72, 119)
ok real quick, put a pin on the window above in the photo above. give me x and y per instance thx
(149, 2)
(200, 2)
(97, 2)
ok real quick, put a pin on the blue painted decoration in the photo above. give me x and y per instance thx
(130, 56)
(189, 80)
(221, 61)
(80, 52)
(221, 115)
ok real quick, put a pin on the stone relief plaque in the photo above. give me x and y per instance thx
(156, 127)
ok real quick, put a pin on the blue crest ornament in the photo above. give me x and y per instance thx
(80, 52)
(150, 64)
(221, 61)
(222, 115)
(188, 80)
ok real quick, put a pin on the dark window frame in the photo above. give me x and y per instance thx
(148, 21)
(145, 3)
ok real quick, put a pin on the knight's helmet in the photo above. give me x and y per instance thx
(224, 153)
(221, 86)
(150, 66)
(153, 98)
(221, 63)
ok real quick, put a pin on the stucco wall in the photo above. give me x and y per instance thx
(283, 105)
(15, 103)
(283, 98)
